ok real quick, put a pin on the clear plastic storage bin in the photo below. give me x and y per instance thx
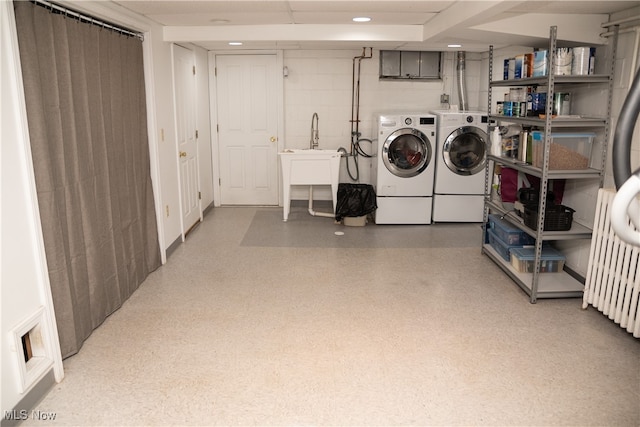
(523, 259)
(568, 151)
(509, 233)
(501, 247)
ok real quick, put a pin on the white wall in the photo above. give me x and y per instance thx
(627, 64)
(582, 196)
(24, 283)
(321, 81)
(162, 134)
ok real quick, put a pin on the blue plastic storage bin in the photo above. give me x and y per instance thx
(509, 233)
(501, 247)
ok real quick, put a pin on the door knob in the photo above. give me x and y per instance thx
(273, 139)
(183, 154)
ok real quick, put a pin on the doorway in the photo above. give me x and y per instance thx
(247, 116)
(185, 98)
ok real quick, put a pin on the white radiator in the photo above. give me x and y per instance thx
(613, 277)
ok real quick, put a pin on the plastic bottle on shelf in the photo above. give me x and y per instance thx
(496, 142)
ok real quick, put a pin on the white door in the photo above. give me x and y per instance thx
(247, 107)
(185, 98)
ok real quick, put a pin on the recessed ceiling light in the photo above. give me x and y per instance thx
(454, 45)
(361, 19)
(235, 43)
(219, 21)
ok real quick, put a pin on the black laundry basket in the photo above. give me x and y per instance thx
(355, 200)
(556, 217)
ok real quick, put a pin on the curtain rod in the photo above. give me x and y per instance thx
(55, 8)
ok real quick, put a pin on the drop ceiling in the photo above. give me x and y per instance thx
(412, 24)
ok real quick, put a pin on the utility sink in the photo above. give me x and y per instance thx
(311, 151)
(309, 167)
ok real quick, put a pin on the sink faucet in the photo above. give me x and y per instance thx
(313, 142)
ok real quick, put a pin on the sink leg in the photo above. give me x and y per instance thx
(334, 190)
(286, 202)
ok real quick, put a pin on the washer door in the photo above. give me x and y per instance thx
(406, 152)
(464, 150)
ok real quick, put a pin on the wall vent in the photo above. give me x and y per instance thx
(32, 349)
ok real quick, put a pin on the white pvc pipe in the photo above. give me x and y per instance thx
(636, 44)
(620, 21)
(314, 213)
(625, 205)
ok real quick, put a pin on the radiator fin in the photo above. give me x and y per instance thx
(613, 276)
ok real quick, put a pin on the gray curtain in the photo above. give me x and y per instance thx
(85, 97)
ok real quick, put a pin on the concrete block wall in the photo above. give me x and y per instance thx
(322, 81)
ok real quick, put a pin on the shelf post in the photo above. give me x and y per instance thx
(607, 126)
(544, 179)
(488, 169)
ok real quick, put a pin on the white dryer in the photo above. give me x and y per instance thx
(462, 142)
(404, 167)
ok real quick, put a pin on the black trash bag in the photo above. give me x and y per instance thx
(355, 200)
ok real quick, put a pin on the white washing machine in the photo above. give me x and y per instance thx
(404, 167)
(462, 142)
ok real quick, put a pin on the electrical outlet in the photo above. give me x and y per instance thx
(167, 209)
(444, 98)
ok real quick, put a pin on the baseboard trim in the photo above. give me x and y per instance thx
(24, 409)
(575, 274)
(207, 210)
(173, 246)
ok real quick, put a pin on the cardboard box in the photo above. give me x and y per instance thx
(528, 65)
(355, 221)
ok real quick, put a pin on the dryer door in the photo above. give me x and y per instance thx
(464, 150)
(407, 152)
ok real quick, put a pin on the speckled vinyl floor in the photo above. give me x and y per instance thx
(253, 321)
